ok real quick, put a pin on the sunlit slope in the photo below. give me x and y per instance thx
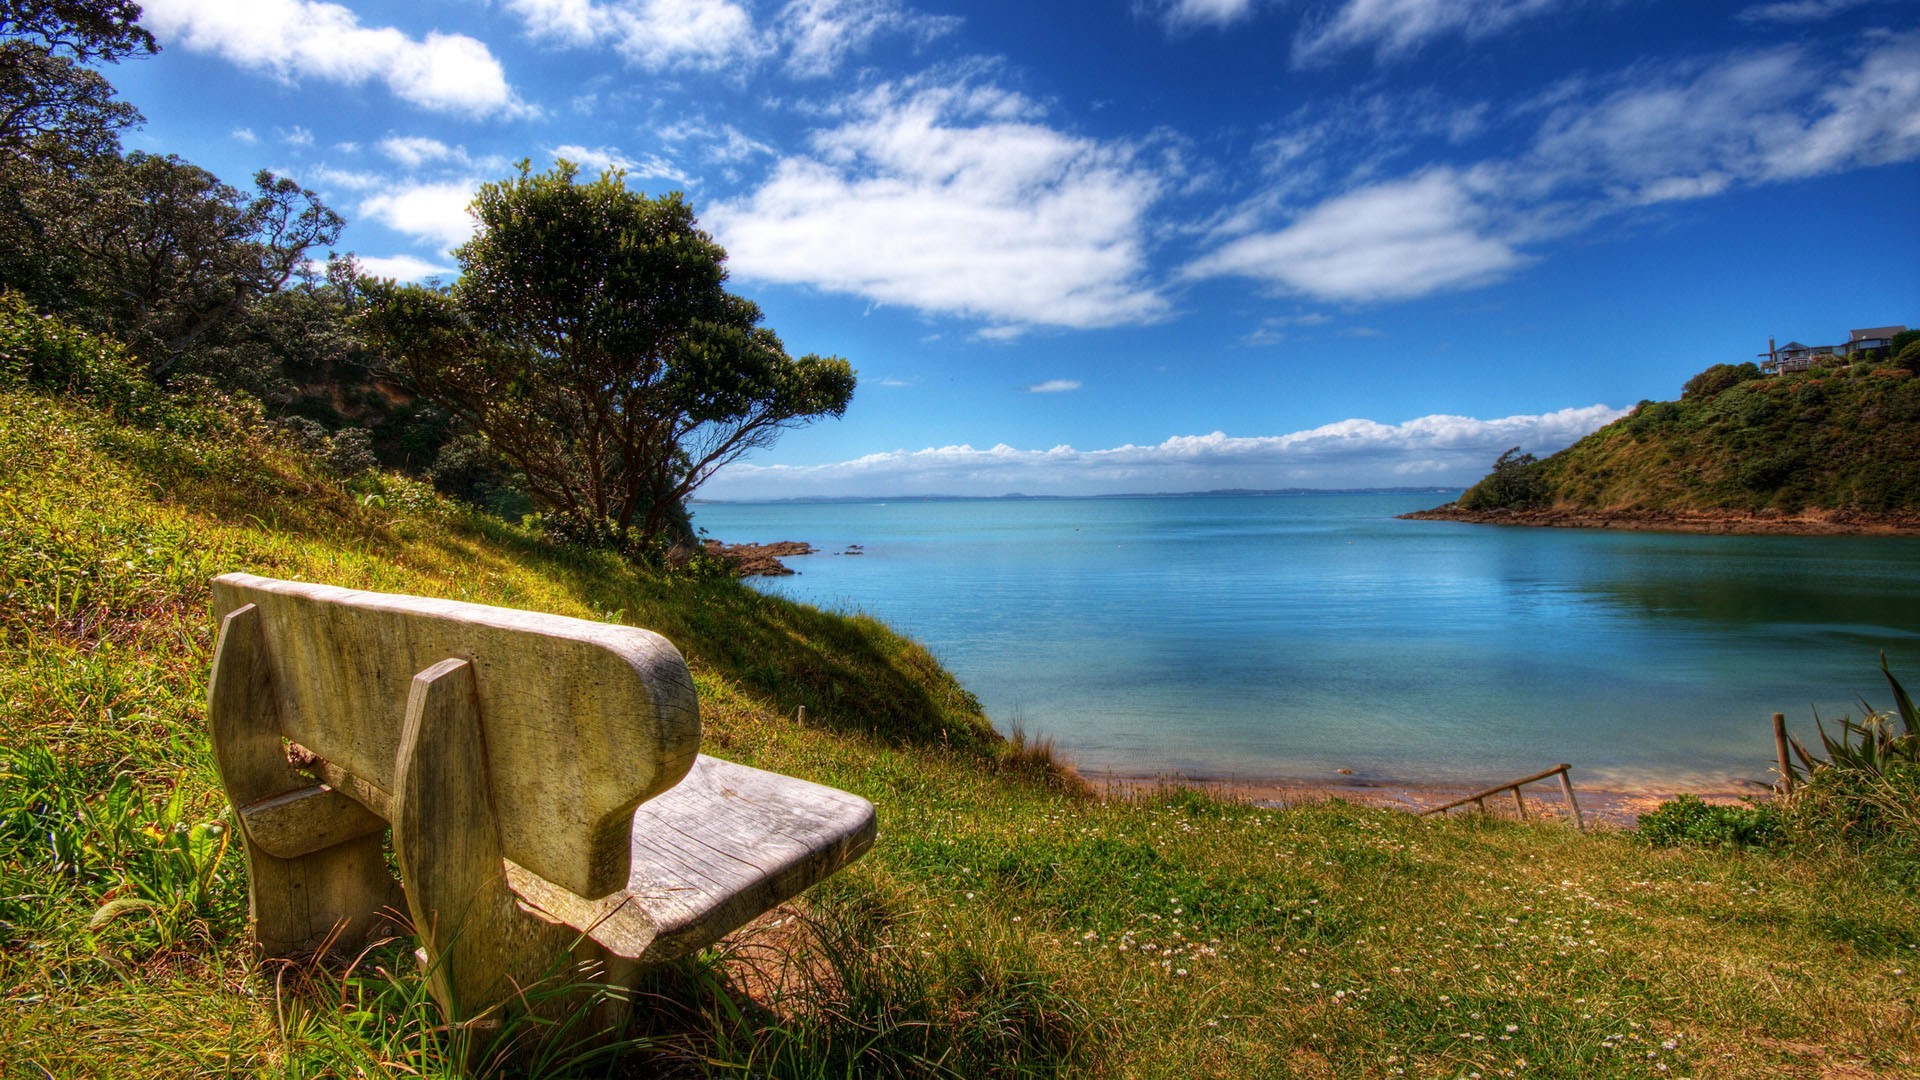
(1823, 441)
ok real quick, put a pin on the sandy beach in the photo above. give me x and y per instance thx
(1605, 807)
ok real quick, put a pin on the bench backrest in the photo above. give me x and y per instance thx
(581, 721)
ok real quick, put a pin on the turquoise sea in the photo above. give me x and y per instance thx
(1289, 636)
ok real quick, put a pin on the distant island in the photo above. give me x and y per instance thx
(1828, 444)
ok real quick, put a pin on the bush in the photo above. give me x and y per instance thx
(1719, 378)
(1865, 794)
(1687, 820)
(48, 353)
(351, 452)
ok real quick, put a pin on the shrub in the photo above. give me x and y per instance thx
(1719, 378)
(1865, 794)
(1687, 820)
(48, 353)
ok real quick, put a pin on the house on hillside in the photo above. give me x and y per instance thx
(1873, 337)
(1793, 356)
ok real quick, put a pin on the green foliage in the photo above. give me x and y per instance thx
(591, 341)
(147, 867)
(159, 252)
(1516, 483)
(1809, 442)
(1865, 793)
(1907, 357)
(51, 104)
(1688, 820)
(1718, 378)
(49, 353)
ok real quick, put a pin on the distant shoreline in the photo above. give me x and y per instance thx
(1806, 523)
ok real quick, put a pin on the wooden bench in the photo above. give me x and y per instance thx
(550, 812)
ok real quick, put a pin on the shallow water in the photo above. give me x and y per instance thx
(1292, 636)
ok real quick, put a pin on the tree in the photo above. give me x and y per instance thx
(159, 252)
(50, 102)
(1514, 484)
(591, 340)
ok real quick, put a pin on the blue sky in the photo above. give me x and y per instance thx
(1141, 245)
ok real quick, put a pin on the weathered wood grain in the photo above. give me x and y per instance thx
(301, 896)
(481, 948)
(582, 720)
(729, 842)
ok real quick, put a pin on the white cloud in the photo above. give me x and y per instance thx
(349, 179)
(294, 136)
(403, 267)
(1781, 114)
(297, 39)
(720, 144)
(701, 35)
(1648, 135)
(1388, 241)
(821, 34)
(1054, 386)
(245, 135)
(1396, 28)
(1798, 11)
(956, 200)
(1185, 14)
(434, 213)
(598, 159)
(1431, 450)
(413, 151)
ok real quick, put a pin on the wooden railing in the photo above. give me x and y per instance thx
(1479, 799)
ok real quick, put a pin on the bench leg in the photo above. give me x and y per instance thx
(482, 950)
(324, 886)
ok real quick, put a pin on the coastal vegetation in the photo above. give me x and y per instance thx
(1832, 446)
(1009, 921)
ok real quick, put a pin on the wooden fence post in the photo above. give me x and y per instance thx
(1780, 749)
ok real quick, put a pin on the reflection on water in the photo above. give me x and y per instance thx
(1295, 635)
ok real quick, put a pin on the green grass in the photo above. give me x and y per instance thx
(1007, 922)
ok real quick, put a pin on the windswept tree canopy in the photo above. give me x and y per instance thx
(591, 339)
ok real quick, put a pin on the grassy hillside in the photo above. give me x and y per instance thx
(1826, 441)
(1007, 923)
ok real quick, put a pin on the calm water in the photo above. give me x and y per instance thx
(1289, 636)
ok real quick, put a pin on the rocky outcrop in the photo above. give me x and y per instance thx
(759, 560)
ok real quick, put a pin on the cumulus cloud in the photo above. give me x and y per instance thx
(1428, 451)
(821, 34)
(697, 35)
(403, 267)
(434, 213)
(1386, 241)
(1054, 386)
(1396, 28)
(956, 200)
(297, 39)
